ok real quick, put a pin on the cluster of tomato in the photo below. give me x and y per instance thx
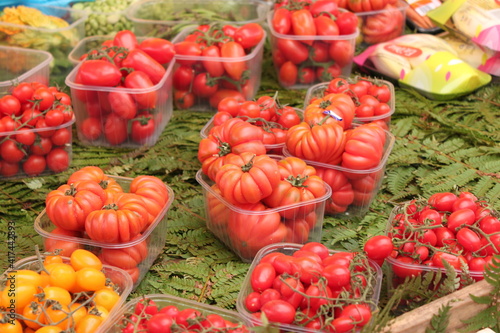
(313, 288)
(76, 294)
(127, 65)
(94, 205)
(148, 317)
(35, 130)
(388, 21)
(342, 154)
(266, 113)
(257, 187)
(319, 49)
(371, 97)
(213, 63)
(459, 229)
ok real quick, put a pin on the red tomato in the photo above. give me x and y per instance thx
(234, 68)
(91, 128)
(58, 160)
(99, 73)
(23, 92)
(282, 21)
(182, 77)
(25, 136)
(288, 74)
(456, 261)
(186, 49)
(303, 24)
(342, 52)
(141, 61)
(122, 104)
(43, 98)
(293, 50)
(143, 127)
(42, 146)
(10, 105)
(140, 80)
(204, 85)
(223, 93)
(126, 39)
(405, 267)
(469, 239)
(279, 311)
(162, 50)
(34, 165)
(249, 35)
(324, 7)
(11, 151)
(183, 99)
(115, 129)
(325, 26)
(461, 217)
(214, 68)
(378, 247)
(319, 52)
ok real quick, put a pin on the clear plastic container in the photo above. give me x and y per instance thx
(58, 41)
(392, 18)
(57, 160)
(91, 106)
(29, 66)
(153, 239)
(318, 91)
(271, 148)
(283, 45)
(118, 277)
(400, 270)
(238, 227)
(252, 61)
(352, 190)
(112, 325)
(289, 249)
(167, 18)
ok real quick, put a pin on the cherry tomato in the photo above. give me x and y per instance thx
(58, 160)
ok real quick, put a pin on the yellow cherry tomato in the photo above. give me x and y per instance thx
(82, 258)
(33, 315)
(89, 324)
(17, 296)
(90, 279)
(78, 312)
(61, 275)
(57, 294)
(106, 297)
(59, 315)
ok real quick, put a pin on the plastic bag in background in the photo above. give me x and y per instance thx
(477, 20)
(425, 63)
(486, 61)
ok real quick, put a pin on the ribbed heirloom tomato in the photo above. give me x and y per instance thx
(118, 221)
(233, 136)
(69, 205)
(248, 178)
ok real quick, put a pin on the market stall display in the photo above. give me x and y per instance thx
(430, 146)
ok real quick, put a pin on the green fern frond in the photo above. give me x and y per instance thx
(399, 179)
(440, 320)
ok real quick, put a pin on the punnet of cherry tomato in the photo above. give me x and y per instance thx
(156, 313)
(265, 112)
(35, 130)
(374, 99)
(217, 60)
(309, 288)
(379, 20)
(121, 220)
(455, 230)
(253, 199)
(122, 91)
(349, 157)
(50, 293)
(30, 66)
(311, 42)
